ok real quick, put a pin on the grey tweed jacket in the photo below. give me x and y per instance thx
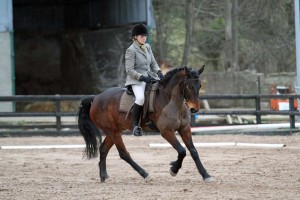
(138, 62)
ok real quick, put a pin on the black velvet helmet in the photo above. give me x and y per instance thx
(139, 29)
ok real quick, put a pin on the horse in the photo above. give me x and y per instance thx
(176, 98)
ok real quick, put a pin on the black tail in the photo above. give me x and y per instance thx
(87, 129)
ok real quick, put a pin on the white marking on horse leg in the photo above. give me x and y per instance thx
(148, 178)
(172, 173)
(209, 180)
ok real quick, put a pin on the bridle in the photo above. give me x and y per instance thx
(183, 90)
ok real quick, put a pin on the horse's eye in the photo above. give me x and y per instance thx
(190, 87)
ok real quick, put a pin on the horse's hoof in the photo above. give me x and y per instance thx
(148, 178)
(209, 180)
(103, 179)
(172, 173)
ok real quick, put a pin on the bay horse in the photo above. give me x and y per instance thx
(176, 97)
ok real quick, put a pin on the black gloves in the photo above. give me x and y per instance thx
(146, 79)
(160, 75)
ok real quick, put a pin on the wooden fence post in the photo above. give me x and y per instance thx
(258, 108)
(57, 112)
(292, 108)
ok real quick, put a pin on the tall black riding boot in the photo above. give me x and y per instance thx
(137, 111)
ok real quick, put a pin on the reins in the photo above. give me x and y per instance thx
(170, 74)
(183, 92)
(170, 93)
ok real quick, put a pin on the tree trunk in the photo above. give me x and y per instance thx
(235, 35)
(228, 36)
(160, 29)
(189, 26)
(231, 31)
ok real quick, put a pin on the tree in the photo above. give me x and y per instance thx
(231, 30)
(231, 35)
(160, 29)
(189, 27)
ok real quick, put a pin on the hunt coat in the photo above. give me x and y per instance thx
(139, 62)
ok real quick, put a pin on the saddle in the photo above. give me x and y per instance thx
(127, 99)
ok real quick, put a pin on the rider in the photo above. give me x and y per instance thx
(140, 66)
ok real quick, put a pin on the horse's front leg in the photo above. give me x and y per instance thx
(171, 138)
(186, 136)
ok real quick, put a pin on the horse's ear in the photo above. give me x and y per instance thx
(201, 69)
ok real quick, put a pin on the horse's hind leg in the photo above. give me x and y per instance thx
(104, 149)
(126, 156)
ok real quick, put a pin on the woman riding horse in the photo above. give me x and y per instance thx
(139, 61)
(176, 97)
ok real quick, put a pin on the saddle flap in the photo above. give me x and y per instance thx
(127, 100)
(150, 96)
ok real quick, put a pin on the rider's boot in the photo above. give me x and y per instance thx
(137, 111)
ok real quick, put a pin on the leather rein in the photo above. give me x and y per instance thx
(183, 92)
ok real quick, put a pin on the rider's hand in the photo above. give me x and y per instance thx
(146, 79)
(160, 75)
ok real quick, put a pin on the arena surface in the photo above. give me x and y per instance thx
(239, 172)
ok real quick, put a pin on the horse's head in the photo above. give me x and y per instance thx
(192, 85)
(187, 83)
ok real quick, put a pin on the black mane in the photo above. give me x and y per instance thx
(191, 74)
(171, 73)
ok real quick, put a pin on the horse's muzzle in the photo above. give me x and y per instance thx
(193, 110)
(194, 106)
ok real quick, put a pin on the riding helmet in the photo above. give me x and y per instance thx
(139, 29)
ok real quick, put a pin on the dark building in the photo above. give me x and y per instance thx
(73, 46)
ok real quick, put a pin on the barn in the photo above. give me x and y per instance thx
(66, 46)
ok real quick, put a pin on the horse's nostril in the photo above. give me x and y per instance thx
(193, 110)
